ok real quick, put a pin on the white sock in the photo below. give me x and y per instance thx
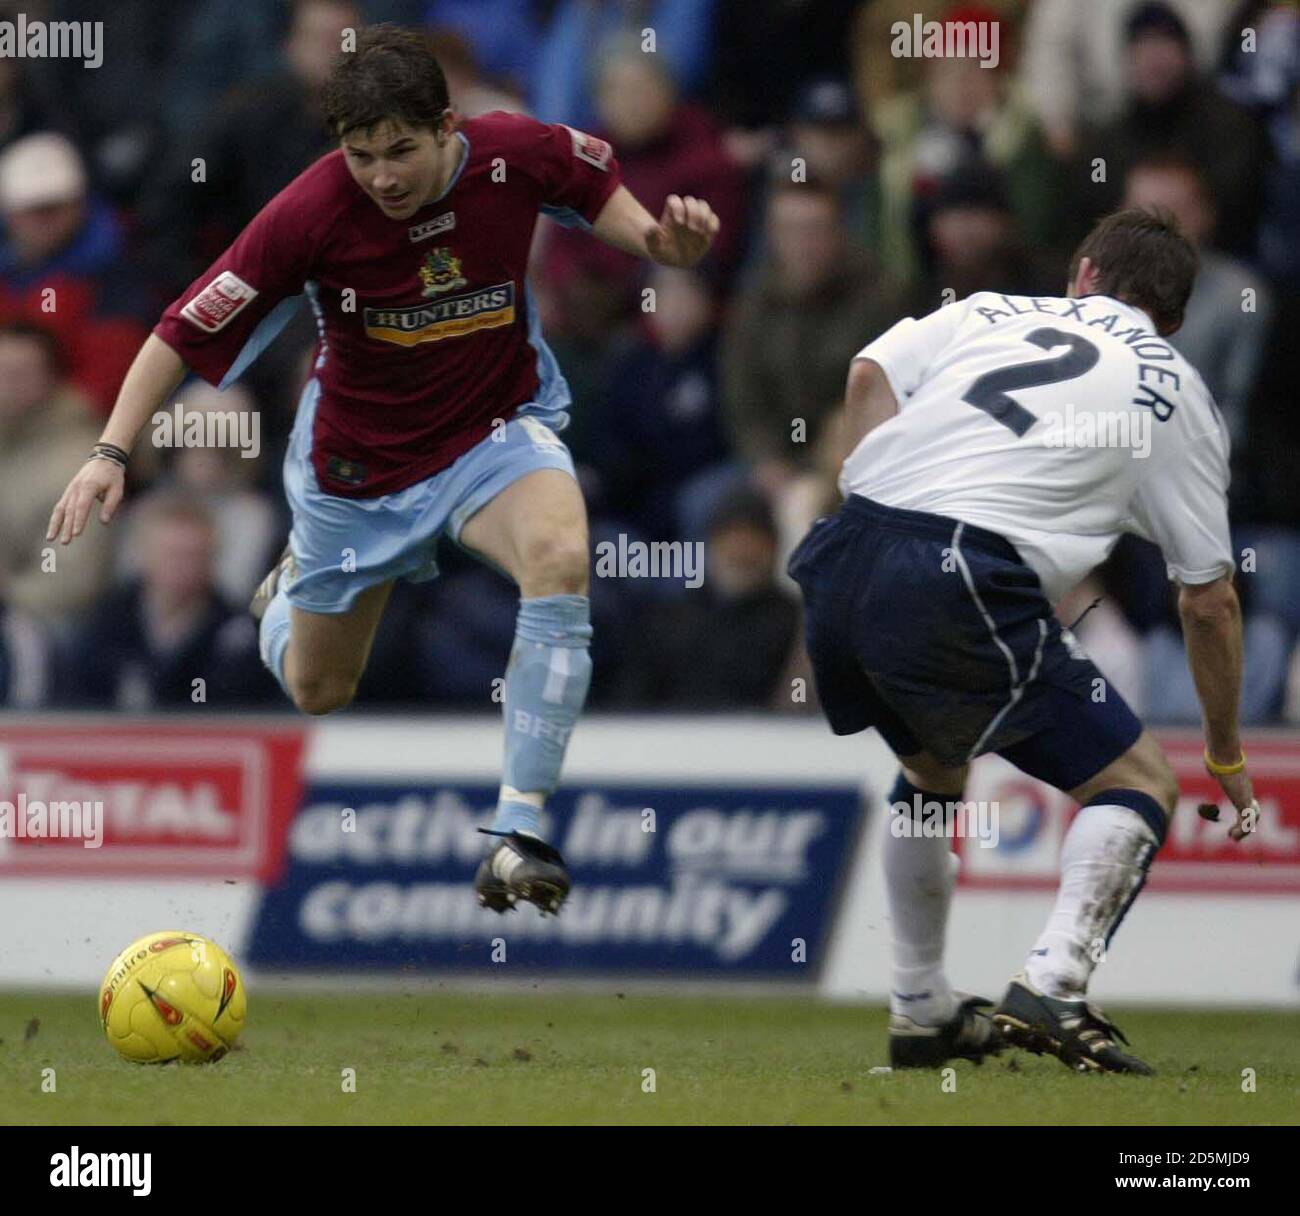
(919, 874)
(1104, 861)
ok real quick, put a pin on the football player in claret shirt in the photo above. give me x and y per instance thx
(434, 402)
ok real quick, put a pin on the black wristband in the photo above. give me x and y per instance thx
(110, 451)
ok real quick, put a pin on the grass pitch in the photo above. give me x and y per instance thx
(429, 1056)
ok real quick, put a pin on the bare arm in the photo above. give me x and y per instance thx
(152, 377)
(680, 238)
(868, 401)
(1211, 616)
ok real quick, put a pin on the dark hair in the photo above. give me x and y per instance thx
(31, 332)
(1156, 17)
(1143, 259)
(393, 75)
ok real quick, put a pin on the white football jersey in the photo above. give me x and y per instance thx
(1056, 423)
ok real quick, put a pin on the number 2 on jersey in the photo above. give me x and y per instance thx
(991, 391)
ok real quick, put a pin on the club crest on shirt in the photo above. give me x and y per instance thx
(441, 271)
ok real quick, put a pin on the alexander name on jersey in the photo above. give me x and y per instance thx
(1153, 372)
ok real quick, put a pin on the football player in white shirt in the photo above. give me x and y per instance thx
(1003, 445)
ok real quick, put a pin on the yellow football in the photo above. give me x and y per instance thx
(172, 995)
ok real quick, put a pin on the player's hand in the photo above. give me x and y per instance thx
(684, 232)
(96, 481)
(1241, 793)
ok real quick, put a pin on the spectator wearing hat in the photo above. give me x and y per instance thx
(971, 240)
(1172, 109)
(827, 135)
(728, 644)
(63, 264)
(1074, 55)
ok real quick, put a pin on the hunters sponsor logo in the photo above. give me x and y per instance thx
(219, 302)
(181, 801)
(441, 223)
(486, 308)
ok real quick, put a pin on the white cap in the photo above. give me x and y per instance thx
(40, 169)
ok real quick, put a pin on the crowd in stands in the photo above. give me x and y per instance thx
(855, 187)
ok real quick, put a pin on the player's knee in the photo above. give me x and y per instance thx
(318, 695)
(1166, 786)
(1146, 769)
(1155, 777)
(554, 565)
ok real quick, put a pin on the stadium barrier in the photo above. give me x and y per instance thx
(720, 847)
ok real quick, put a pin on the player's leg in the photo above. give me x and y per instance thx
(1121, 823)
(929, 1022)
(1126, 793)
(535, 529)
(320, 606)
(319, 657)
(919, 875)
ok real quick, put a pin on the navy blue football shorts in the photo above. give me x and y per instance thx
(936, 633)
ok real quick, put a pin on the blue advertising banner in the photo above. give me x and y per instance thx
(707, 879)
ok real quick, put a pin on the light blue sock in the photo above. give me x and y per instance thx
(273, 636)
(546, 684)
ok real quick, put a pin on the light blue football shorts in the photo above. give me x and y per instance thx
(341, 546)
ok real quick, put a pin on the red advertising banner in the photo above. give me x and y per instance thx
(1197, 855)
(186, 800)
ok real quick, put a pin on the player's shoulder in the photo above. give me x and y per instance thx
(322, 192)
(504, 130)
(523, 139)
